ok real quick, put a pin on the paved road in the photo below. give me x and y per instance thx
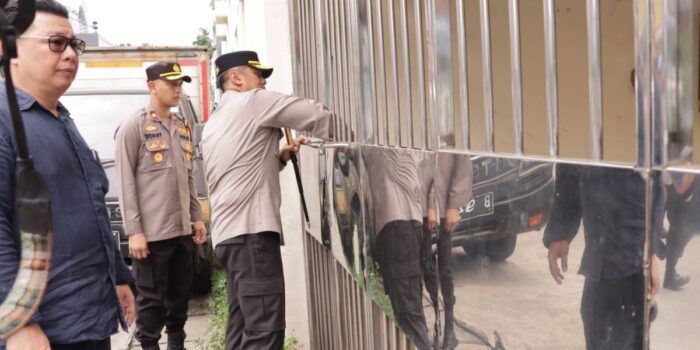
(518, 301)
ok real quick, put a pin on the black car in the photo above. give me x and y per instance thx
(509, 197)
(98, 114)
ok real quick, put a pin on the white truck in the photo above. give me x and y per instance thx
(124, 68)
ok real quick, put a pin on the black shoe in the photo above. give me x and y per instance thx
(674, 281)
(449, 342)
(176, 340)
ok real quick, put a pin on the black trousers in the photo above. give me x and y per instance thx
(612, 311)
(164, 282)
(436, 267)
(103, 344)
(255, 286)
(398, 254)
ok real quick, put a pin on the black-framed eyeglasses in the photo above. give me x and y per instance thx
(59, 43)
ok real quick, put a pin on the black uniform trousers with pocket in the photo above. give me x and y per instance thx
(397, 250)
(255, 285)
(164, 283)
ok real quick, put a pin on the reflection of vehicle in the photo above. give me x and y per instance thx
(346, 202)
(509, 197)
(97, 114)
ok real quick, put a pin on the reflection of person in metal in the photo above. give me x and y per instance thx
(396, 197)
(447, 184)
(611, 204)
(683, 208)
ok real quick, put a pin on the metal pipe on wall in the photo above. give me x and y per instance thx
(406, 73)
(594, 79)
(516, 74)
(487, 76)
(422, 113)
(395, 75)
(550, 40)
(463, 75)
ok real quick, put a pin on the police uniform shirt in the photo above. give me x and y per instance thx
(611, 204)
(240, 145)
(154, 164)
(395, 183)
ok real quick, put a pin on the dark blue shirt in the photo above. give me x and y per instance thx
(611, 204)
(81, 301)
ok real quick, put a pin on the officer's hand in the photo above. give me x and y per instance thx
(431, 221)
(287, 150)
(452, 219)
(126, 300)
(558, 250)
(200, 232)
(138, 246)
(30, 337)
(654, 277)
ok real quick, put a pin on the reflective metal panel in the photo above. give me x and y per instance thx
(678, 305)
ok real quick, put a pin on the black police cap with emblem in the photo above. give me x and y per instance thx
(239, 58)
(166, 70)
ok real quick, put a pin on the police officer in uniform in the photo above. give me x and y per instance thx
(159, 206)
(242, 160)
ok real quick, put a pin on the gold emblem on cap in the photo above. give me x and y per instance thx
(158, 157)
(176, 68)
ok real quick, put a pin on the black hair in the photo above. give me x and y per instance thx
(47, 6)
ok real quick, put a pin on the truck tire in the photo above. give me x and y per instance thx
(501, 249)
(202, 267)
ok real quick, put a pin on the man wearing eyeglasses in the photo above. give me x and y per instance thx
(159, 205)
(87, 294)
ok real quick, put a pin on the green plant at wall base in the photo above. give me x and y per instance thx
(375, 286)
(218, 306)
(291, 343)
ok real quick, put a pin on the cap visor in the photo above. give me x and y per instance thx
(265, 70)
(184, 77)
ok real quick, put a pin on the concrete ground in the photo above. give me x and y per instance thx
(295, 281)
(196, 329)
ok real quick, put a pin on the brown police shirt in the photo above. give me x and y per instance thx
(154, 167)
(240, 145)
